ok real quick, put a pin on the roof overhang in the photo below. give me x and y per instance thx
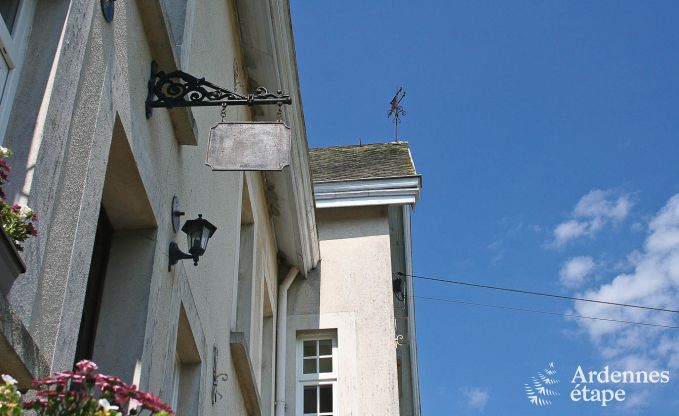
(356, 193)
(269, 60)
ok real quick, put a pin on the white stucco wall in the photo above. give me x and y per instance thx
(350, 292)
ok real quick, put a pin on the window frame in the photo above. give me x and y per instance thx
(13, 51)
(316, 379)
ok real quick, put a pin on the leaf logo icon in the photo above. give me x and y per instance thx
(539, 391)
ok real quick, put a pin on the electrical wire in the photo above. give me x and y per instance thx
(569, 315)
(531, 292)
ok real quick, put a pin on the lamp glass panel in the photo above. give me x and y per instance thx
(191, 238)
(205, 236)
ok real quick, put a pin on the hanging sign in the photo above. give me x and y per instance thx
(249, 146)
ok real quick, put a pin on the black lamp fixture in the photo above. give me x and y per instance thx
(198, 233)
(108, 9)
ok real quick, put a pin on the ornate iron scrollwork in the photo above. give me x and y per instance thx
(179, 89)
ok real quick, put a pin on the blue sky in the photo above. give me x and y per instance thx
(547, 134)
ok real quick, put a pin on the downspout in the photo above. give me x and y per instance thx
(282, 318)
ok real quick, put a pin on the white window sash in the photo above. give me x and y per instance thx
(316, 379)
(300, 398)
(300, 359)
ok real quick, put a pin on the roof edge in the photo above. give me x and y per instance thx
(379, 191)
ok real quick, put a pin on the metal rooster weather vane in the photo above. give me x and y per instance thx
(396, 109)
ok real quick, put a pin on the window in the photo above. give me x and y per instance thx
(317, 375)
(180, 19)
(14, 30)
(176, 13)
(8, 11)
(246, 265)
(95, 288)
(185, 394)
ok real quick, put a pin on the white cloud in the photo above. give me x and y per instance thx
(593, 211)
(569, 230)
(597, 205)
(654, 281)
(476, 397)
(574, 271)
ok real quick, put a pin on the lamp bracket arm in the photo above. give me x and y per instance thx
(176, 254)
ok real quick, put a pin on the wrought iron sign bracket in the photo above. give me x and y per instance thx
(179, 89)
(216, 377)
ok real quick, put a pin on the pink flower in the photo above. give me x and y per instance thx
(121, 393)
(86, 366)
(73, 391)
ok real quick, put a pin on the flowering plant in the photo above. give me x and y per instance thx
(82, 392)
(17, 221)
(4, 168)
(10, 398)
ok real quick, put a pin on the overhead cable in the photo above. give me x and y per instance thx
(531, 292)
(569, 315)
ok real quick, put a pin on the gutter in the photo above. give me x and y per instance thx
(377, 191)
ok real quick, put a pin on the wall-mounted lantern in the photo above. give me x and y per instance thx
(198, 232)
(108, 9)
(398, 287)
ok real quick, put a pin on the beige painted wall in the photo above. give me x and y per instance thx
(350, 292)
(96, 84)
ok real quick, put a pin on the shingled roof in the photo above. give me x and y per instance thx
(368, 161)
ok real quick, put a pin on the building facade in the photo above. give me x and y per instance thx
(357, 297)
(102, 177)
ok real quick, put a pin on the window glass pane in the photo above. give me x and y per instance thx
(325, 365)
(310, 399)
(8, 10)
(325, 396)
(325, 347)
(309, 366)
(176, 12)
(309, 348)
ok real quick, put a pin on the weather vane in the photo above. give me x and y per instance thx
(396, 109)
